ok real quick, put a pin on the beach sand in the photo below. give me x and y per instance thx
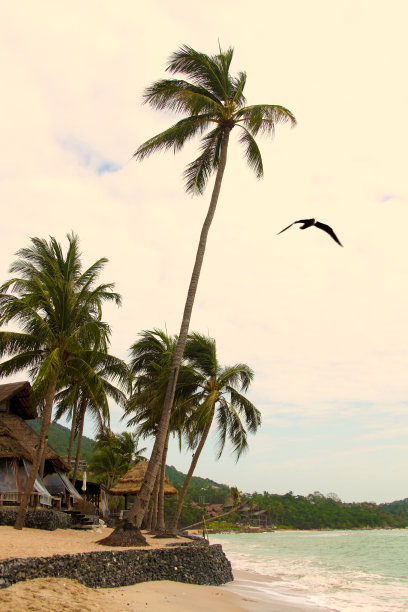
(52, 594)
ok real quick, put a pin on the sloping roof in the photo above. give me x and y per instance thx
(25, 440)
(19, 395)
(131, 482)
(10, 447)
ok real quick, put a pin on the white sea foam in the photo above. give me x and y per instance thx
(351, 571)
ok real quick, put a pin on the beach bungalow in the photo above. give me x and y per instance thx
(131, 482)
(18, 444)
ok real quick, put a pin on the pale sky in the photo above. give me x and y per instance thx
(324, 328)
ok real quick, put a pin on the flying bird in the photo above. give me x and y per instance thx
(309, 223)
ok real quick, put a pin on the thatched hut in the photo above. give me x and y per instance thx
(18, 445)
(131, 482)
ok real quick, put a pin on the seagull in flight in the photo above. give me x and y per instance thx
(309, 223)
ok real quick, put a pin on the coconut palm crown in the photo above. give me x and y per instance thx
(214, 103)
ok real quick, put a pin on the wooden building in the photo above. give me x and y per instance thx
(18, 445)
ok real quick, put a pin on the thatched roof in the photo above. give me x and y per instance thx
(18, 396)
(10, 447)
(131, 482)
(17, 435)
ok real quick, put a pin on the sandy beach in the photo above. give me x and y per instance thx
(49, 594)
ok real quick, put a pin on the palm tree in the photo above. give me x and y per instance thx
(214, 104)
(218, 397)
(151, 359)
(114, 455)
(58, 307)
(108, 370)
(108, 465)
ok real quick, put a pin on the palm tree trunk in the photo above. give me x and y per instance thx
(137, 511)
(42, 462)
(176, 517)
(161, 526)
(153, 509)
(73, 427)
(45, 426)
(150, 515)
(81, 429)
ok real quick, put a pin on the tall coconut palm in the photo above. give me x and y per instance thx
(58, 307)
(218, 397)
(213, 103)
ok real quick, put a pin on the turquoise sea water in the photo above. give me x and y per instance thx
(349, 571)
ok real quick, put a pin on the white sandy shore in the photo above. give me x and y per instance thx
(52, 594)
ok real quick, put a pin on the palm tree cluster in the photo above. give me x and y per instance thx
(63, 343)
(64, 346)
(206, 392)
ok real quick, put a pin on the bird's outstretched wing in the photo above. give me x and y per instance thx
(294, 223)
(328, 230)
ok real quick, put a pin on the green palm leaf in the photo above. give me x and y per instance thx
(264, 117)
(175, 137)
(252, 153)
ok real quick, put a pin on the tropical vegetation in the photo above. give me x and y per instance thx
(58, 307)
(113, 456)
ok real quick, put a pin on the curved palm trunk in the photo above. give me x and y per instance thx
(161, 526)
(138, 509)
(45, 426)
(176, 517)
(81, 429)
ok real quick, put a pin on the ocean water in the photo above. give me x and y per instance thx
(350, 571)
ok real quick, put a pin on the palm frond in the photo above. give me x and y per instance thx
(180, 96)
(21, 362)
(252, 152)
(239, 374)
(237, 88)
(264, 117)
(204, 70)
(15, 342)
(229, 424)
(252, 415)
(201, 353)
(198, 172)
(175, 136)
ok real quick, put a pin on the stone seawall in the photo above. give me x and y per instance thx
(194, 564)
(37, 519)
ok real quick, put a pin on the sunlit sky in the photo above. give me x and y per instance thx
(323, 327)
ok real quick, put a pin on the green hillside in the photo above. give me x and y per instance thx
(295, 511)
(58, 438)
(398, 508)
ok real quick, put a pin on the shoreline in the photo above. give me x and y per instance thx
(45, 594)
(258, 590)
